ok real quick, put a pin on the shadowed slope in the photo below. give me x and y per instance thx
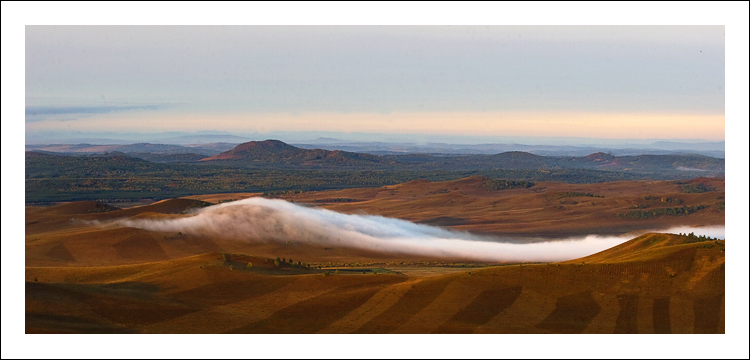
(670, 287)
(171, 206)
(80, 207)
(686, 282)
(65, 216)
(98, 246)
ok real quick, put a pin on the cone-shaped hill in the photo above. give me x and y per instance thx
(277, 152)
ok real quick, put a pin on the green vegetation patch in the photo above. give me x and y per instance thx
(663, 199)
(576, 194)
(695, 188)
(54, 178)
(673, 211)
(497, 184)
(692, 238)
(281, 192)
(100, 208)
(336, 200)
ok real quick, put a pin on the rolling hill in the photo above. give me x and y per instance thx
(277, 152)
(672, 286)
(86, 274)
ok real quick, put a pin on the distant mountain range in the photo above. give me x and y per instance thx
(713, 149)
(278, 154)
(272, 165)
(390, 144)
(207, 149)
(274, 153)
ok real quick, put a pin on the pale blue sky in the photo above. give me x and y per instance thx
(282, 78)
(380, 69)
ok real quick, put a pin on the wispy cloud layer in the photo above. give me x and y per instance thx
(69, 113)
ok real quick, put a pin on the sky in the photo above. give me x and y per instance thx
(610, 82)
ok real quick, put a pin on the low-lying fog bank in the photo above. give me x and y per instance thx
(710, 231)
(259, 219)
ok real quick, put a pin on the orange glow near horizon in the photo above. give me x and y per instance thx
(527, 124)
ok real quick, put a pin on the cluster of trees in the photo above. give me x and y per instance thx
(663, 199)
(335, 200)
(280, 262)
(673, 211)
(577, 194)
(498, 184)
(101, 208)
(696, 188)
(692, 238)
(281, 192)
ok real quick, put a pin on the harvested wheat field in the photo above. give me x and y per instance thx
(87, 272)
(667, 286)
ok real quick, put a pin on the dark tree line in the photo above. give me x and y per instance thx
(673, 211)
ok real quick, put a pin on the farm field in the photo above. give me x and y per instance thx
(87, 274)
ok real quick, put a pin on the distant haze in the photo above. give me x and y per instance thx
(597, 82)
(383, 144)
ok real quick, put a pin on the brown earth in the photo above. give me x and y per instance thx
(546, 209)
(89, 277)
(666, 288)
